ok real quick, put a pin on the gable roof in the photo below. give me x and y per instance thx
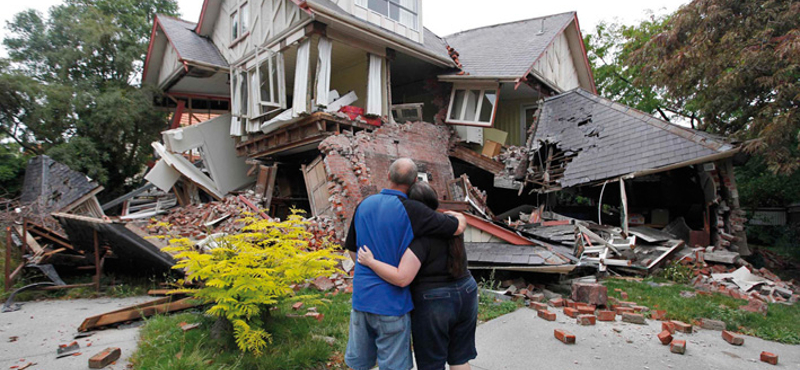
(189, 45)
(507, 49)
(53, 186)
(613, 140)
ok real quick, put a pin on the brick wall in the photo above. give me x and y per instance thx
(358, 165)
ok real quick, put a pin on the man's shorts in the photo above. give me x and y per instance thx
(385, 339)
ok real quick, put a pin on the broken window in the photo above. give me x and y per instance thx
(474, 106)
(270, 89)
(234, 26)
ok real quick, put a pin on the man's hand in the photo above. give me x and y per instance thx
(462, 221)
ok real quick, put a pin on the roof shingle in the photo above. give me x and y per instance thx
(190, 46)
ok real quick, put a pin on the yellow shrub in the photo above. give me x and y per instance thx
(252, 270)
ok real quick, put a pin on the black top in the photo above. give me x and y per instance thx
(434, 253)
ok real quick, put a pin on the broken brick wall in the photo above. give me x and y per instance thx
(358, 164)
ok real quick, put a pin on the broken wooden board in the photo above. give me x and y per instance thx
(159, 306)
(485, 163)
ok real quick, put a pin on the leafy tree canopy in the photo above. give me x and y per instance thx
(70, 86)
(737, 64)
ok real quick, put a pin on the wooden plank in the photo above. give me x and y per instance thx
(30, 242)
(137, 313)
(485, 163)
(8, 260)
(90, 322)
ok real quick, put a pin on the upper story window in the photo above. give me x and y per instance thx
(240, 21)
(473, 105)
(405, 12)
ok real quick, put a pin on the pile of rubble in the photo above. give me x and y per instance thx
(197, 222)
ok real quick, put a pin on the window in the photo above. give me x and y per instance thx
(240, 21)
(269, 71)
(473, 105)
(405, 12)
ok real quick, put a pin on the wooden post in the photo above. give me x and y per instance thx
(24, 234)
(8, 259)
(625, 216)
(96, 260)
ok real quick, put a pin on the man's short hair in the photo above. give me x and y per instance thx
(403, 172)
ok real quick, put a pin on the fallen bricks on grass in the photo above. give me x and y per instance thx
(665, 337)
(678, 346)
(732, 338)
(587, 319)
(564, 336)
(712, 324)
(547, 315)
(633, 318)
(604, 315)
(769, 358)
(623, 310)
(659, 315)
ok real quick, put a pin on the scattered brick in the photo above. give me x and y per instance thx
(571, 312)
(104, 358)
(297, 306)
(769, 358)
(557, 302)
(668, 326)
(587, 319)
(569, 303)
(538, 306)
(682, 327)
(640, 309)
(604, 315)
(626, 304)
(659, 315)
(591, 293)
(564, 336)
(623, 295)
(756, 306)
(547, 315)
(586, 310)
(712, 324)
(538, 297)
(633, 318)
(732, 338)
(316, 315)
(665, 337)
(678, 346)
(621, 310)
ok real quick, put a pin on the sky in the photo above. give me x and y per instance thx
(445, 17)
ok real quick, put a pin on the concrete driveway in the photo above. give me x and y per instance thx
(521, 340)
(41, 326)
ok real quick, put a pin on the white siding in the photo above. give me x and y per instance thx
(381, 21)
(557, 66)
(168, 64)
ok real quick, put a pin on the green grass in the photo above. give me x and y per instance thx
(296, 342)
(489, 308)
(781, 324)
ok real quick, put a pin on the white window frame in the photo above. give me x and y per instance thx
(476, 122)
(277, 99)
(365, 4)
(242, 24)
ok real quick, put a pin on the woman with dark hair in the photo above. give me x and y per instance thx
(445, 294)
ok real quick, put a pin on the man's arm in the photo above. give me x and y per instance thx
(462, 221)
(427, 222)
(350, 241)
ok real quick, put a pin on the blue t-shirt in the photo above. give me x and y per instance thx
(387, 223)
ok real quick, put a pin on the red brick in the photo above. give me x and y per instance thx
(591, 293)
(547, 315)
(626, 304)
(586, 310)
(557, 302)
(678, 346)
(297, 306)
(640, 309)
(604, 315)
(732, 338)
(564, 336)
(538, 306)
(569, 303)
(316, 315)
(668, 326)
(104, 358)
(633, 318)
(665, 337)
(769, 358)
(621, 310)
(659, 315)
(623, 295)
(587, 319)
(682, 327)
(571, 312)
(756, 306)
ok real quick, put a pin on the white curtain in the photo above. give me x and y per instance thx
(300, 102)
(255, 108)
(374, 88)
(237, 129)
(324, 71)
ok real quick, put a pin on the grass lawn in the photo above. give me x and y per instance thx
(781, 324)
(297, 343)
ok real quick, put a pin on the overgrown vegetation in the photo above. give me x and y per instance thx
(782, 322)
(677, 272)
(247, 273)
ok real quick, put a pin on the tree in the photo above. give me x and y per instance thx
(609, 50)
(70, 86)
(737, 64)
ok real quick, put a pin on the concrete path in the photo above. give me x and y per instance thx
(521, 340)
(41, 326)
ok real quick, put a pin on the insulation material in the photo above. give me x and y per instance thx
(187, 169)
(374, 88)
(300, 102)
(324, 71)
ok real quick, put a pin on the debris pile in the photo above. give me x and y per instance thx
(197, 222)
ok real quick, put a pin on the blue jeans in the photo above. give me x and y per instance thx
(381, 338)
(443, 323)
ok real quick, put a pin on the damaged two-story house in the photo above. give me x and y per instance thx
(312, 100)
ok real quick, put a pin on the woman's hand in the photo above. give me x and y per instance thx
(365, 256)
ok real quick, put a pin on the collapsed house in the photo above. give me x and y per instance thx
(283, 105)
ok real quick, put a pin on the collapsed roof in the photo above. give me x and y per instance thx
(55, 187)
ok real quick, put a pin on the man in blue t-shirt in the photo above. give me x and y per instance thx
(380, 326)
